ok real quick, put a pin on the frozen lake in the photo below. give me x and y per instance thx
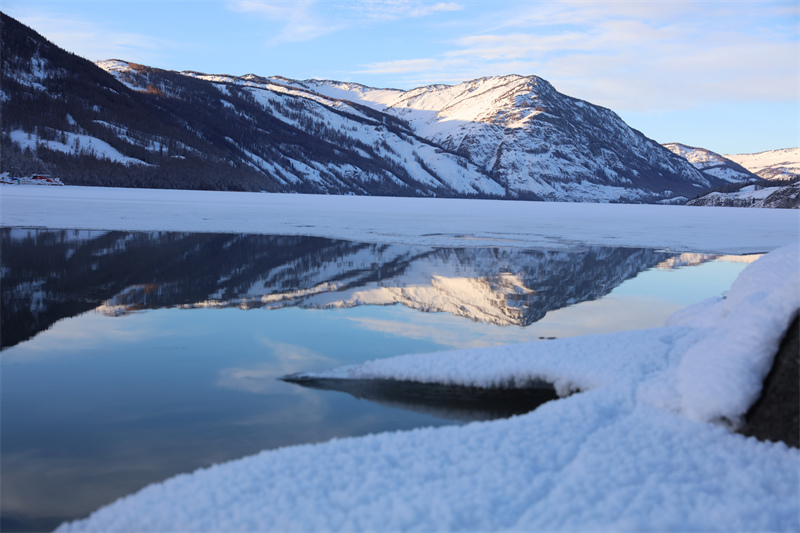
(142, 332)
(129, 357)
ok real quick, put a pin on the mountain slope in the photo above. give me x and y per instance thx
(711, 163)
(771, 165)
(63, 115)
(525, 135)
(499, 137)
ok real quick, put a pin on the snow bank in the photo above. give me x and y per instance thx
(632, 452)
(720, 377)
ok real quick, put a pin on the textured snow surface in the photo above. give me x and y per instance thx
(416, 221)
(721, 376)
(633, 451)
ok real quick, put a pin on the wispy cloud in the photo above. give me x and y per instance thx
(629, 55)
(395, 9)
(93, 41)
(281, 359)
(402, 66)
(300, 20)
(306, 20)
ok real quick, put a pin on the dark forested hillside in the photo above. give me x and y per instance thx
(50, 93)
(168, 130)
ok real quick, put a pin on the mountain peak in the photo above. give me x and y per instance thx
(510, 136)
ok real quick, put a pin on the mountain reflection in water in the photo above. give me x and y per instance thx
(48, 275)
(168, 374)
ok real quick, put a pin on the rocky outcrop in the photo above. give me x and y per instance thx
(776, 414)
(780, 197)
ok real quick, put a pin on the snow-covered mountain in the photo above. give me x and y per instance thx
(746, 175)
(771, 165)
(522, 133)
(123, 124)
(711, 163)
(50, 275)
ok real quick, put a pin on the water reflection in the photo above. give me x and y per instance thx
(49, 275)
(100, 398)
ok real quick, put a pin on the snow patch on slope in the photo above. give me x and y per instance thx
(76, 143)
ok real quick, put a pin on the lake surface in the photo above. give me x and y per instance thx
(129, 357)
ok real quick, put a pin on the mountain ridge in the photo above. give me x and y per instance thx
(713, 163)
(507, 137)
(780, 164)
(483, 135)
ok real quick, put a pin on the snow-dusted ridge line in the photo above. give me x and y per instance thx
(634, 451)
(511, 137)
(772, 164)
(516, 136)
(712, 163)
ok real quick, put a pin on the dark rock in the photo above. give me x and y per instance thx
(776, 414)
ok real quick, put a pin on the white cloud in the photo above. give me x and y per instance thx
(629, 55)
(394, 9)
(300, 21)
(306, 20)
(280, 359)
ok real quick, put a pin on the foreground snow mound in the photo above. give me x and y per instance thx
(633, 451)
(720, 377)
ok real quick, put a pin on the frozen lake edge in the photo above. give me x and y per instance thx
(422, 221)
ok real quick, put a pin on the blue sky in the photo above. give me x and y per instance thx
(719, 75)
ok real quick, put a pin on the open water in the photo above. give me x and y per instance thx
(130, 357)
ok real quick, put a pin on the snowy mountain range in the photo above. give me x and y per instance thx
(50, 275)
(122, 124)
(783, 164)
(766, 179)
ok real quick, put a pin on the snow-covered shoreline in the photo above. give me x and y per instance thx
(637, 450)
(422, 221)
